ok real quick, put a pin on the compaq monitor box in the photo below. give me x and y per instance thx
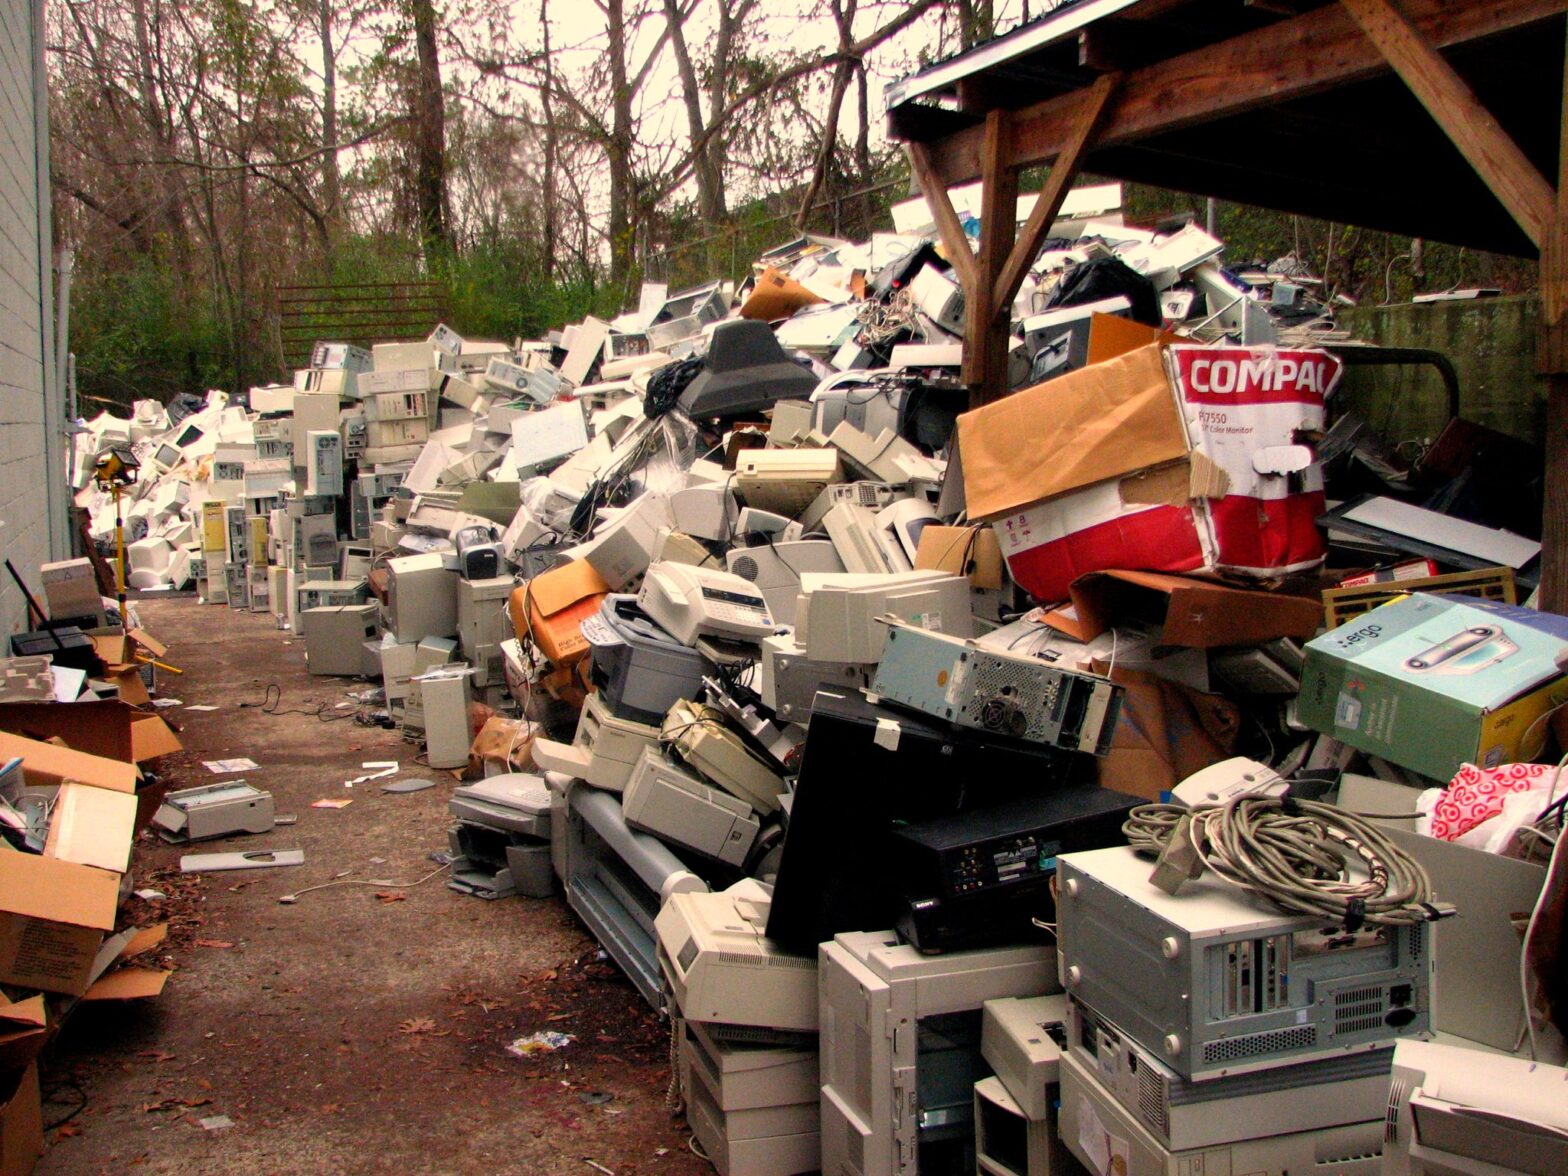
(1227, 983)
(836, 617)
(421, 598)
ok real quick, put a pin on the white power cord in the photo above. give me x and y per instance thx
(1295, 853)
(384, 883)
(1549, 884)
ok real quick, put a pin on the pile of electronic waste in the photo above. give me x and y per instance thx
(833, 702)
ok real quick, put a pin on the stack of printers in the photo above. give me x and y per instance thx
(745, 1015)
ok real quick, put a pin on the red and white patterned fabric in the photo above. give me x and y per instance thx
(1476, 794)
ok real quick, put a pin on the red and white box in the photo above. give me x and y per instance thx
(1170, 458)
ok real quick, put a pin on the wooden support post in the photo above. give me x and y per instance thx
(949, 229)
(985, 323)
(1553, 356)
(1096, 101)
(1497, 159)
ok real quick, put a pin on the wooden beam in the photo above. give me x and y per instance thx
(985, 328)
(1554, 360)
(1291, 58)
(1448, 98)
(1091, 112)
(948, 226)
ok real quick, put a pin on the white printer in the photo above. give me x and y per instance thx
(672, 804)
(723, 968)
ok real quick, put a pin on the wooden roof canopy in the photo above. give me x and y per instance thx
(1434, 118)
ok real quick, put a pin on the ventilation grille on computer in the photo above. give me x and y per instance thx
(1358, 1010)
(1151, 1100)
(1396, 1100)
(745, 567)
(767, 961)
(1235, 1049)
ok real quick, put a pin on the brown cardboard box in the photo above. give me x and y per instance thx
(46, 764)
(24, 1027)
(551, 608)
(53, 916)
(1191, 613)
(21, 1122)
(107, 728)
(775, 297)
(1166, 733)
(962, 551)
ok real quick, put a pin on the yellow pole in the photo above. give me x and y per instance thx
(119, 548)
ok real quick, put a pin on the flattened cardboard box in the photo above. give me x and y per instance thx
(963, 551)
(1191, 613)
(53, 917)
(1433, 682)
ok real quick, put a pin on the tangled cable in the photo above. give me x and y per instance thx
(882, 322)
(1295, 853)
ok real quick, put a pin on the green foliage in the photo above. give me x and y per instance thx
(136, 336)
(139, 331)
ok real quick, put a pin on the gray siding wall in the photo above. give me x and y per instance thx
(32, 474)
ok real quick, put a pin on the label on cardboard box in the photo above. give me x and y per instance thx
(1432, 682)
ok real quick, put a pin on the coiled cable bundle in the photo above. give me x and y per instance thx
(1298, 854)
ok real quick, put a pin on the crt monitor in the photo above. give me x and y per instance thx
(868, 769)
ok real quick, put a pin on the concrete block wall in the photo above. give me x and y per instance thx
(1491, 342)
(32, 475)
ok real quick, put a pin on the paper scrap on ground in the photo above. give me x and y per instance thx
(216, 1122)
(333, 804)
(223, 766)
(538, 1043)
(382, 769)
(150, 895)
(163, 702)
(201, 708)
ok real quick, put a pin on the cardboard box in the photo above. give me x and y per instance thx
(962, 551)
(24, 1027)
(46, 764)
(1190, 614)
(21, 1122)
(53, 917)
(1174, 458)
(1432, 682)
(550, 610)
(110, 729)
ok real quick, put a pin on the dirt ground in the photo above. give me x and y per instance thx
(362, 1029)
